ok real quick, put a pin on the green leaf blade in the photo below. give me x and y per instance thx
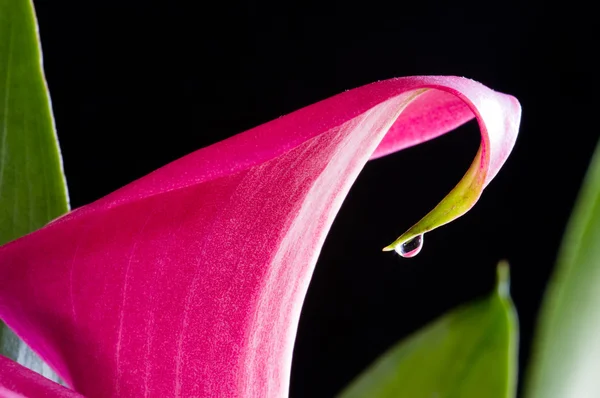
(470, 352)
(33, 190)
(32, 185)
(566, 356)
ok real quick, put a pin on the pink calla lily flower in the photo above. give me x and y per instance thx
(190, 281)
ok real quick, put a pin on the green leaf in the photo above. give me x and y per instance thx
(470, 352)
(566, 356)
(32, 185)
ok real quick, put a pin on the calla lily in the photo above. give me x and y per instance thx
(190, 281)
(17, 381)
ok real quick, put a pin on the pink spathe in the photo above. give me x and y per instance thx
(190, 281)
(17, 381)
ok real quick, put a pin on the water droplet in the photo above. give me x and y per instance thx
(410, 248)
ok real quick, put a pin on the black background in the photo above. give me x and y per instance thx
(136, 85)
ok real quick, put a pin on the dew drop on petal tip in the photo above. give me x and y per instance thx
(411, 247)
